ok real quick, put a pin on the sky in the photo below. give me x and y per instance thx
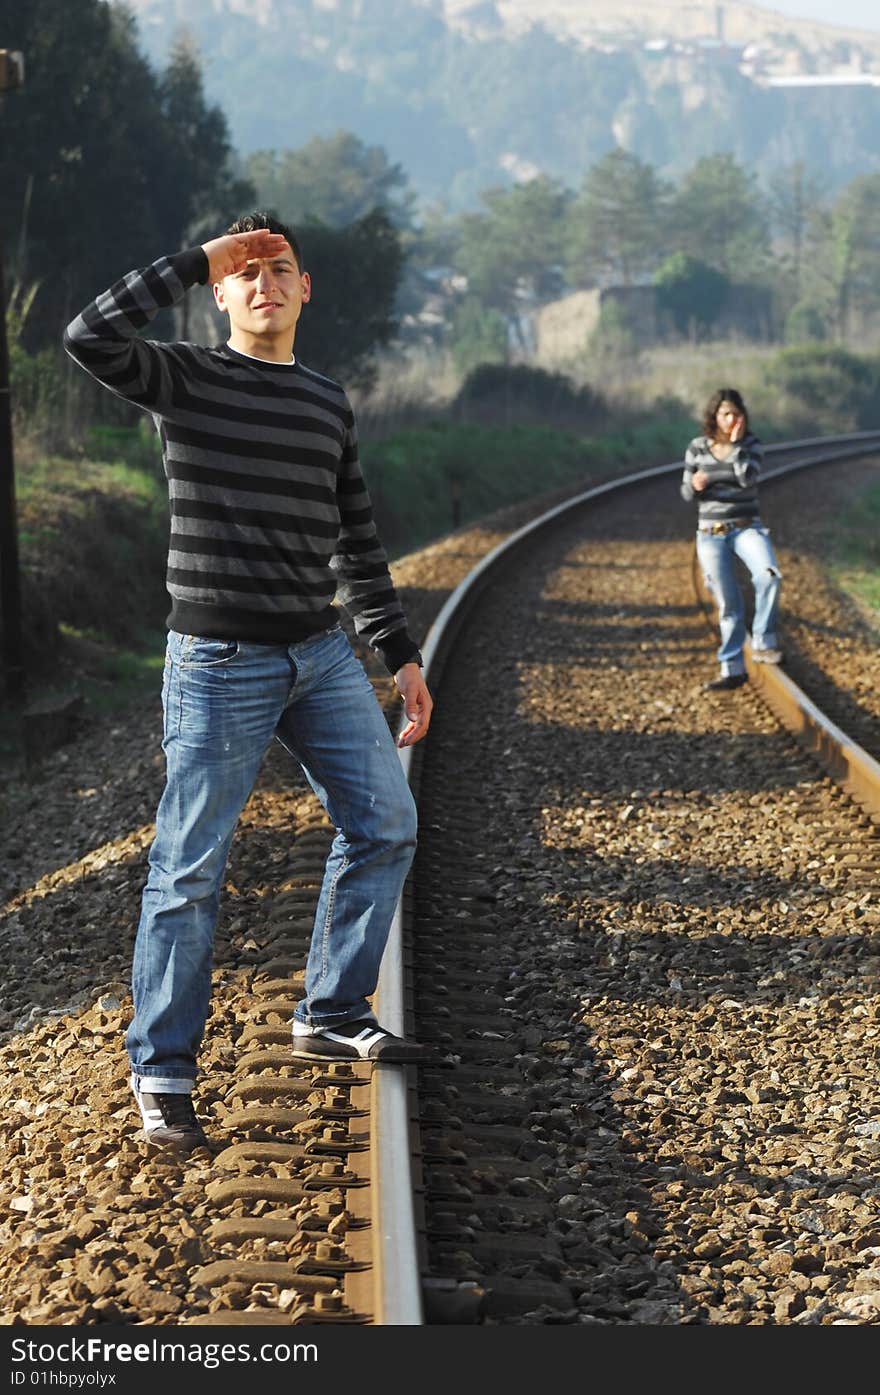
(860, 14)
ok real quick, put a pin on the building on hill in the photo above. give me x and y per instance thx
(560, 330)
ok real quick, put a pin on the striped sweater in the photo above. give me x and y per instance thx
(270, 514)
(732, 491)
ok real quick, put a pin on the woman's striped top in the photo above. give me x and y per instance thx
(732, 491)
(270, 515)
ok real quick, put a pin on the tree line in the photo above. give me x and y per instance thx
(104, 162)
(813, 260)
(714, 234)
(107, 161)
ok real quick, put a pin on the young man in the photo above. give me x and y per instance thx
(270, 518)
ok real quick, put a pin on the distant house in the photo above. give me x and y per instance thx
(561, 329)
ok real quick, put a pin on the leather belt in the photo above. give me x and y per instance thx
(727, 526)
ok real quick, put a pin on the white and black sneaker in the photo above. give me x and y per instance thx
(360, 1040)
(170, 1121)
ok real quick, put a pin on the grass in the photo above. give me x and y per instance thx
(855, 565)
(688, 372)
(70, 483)
(692, 371)
(113, 675)
(92, 540)
(426, 480)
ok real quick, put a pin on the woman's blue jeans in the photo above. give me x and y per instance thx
(223, 702)
(716, 553)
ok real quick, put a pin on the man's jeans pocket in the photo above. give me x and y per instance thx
(197, 651)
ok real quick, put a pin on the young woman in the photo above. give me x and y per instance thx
(721, 472)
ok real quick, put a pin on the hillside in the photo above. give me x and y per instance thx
(567, 20)
(465, 94)
(651, 19)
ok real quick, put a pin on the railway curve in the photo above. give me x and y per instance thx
(620, 1022)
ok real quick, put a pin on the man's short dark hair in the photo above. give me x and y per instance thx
(250, 222)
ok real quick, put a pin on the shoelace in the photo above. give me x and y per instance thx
(177, 1109)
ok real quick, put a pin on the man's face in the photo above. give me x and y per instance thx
(266, 298)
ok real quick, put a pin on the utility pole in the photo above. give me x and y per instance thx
(11, 76)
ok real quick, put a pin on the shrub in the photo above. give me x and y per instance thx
(479, 336)
(518, 392)
(827, 388)
(36, 390)
(805, 323)
(137, 445)
(691, 292)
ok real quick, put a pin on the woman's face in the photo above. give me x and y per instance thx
(727, 417)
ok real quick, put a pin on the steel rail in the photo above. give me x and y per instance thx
(847, 763)
(397, 1284)
(398, 1288)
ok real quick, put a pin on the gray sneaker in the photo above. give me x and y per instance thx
(767, 656)
(726, 682)
(170, 1121)
(360, 1040)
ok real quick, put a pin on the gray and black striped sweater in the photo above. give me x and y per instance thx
(270, 514)
(732, 491)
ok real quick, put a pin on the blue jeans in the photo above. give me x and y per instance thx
(716, 553)
(223, 702)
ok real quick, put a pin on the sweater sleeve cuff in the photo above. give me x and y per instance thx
(191, 266)
(398, 649)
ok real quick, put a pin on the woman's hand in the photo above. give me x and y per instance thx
(699, 480)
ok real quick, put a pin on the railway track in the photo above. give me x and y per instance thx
(642, 932)
(585, 1130)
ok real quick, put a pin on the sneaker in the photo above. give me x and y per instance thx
(170, 1121)
(767, 656)
(360, 1040)
(729, 680)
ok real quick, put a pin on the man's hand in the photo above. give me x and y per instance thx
(417, 703)
(230, 254)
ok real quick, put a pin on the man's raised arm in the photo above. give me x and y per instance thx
(104, 338)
